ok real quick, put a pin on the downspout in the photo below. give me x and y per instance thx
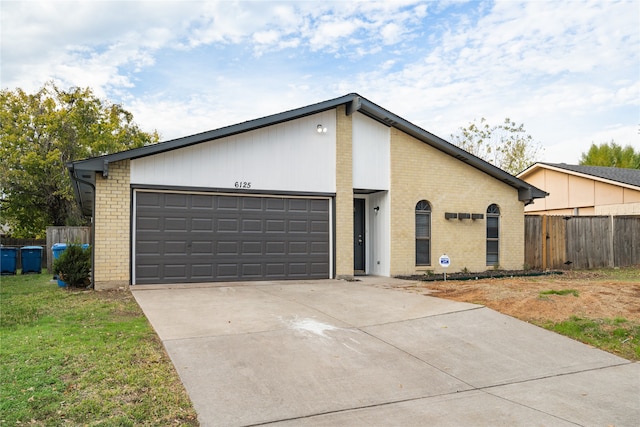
(72, 172)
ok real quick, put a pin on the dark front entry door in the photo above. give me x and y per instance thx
(358, 235)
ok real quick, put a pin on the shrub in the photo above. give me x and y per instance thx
(74, 266)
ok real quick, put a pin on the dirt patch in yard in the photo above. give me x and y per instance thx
(601, 294)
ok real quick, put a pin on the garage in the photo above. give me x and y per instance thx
(199, 237)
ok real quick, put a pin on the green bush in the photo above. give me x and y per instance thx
(74, 266)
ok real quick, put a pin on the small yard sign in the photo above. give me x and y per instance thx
(445, 261)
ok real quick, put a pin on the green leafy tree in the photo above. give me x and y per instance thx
(507, 145)
(611, 154)
(40, 133)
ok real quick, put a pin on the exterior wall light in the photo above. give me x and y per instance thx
(321, 129)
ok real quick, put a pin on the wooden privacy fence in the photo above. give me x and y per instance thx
(65, 235)
(560, 242)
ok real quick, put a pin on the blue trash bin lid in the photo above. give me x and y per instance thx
(59, 246)
(31, 247)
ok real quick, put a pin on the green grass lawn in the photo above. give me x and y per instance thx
(82, 358)
(618, 336)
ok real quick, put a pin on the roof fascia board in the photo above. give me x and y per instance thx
(584, 175)
(97, 163)
(392, 120)
(354, 103)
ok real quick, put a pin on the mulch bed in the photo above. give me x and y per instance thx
(489, 274)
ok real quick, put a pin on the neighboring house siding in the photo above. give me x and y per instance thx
(420, 172)
(112, 226)
(286, 157)
(344, 194)
(570, 195)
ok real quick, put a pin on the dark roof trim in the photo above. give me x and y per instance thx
(526, 192)
(97, 163)
(82, 169)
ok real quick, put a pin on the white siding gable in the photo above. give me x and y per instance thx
(371, 153)
(290, 156)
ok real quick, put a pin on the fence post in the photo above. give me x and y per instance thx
(612, 261)
(544, 242)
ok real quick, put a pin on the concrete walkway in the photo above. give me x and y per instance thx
(335, 353)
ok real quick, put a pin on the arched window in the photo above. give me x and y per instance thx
(493, 235)
(423, 233)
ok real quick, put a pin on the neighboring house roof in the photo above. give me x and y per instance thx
(619, 176)
(83, 171)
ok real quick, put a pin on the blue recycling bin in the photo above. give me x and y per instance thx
(31, 259)
(58, 249)
(8, 260)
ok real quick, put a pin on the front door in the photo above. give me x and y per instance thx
(358, 236)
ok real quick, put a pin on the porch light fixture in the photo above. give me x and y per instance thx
(321, 129)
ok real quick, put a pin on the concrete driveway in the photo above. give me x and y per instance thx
(336, 353)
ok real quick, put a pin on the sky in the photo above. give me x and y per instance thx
(569, 71)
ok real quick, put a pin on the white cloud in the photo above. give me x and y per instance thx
(567, 70)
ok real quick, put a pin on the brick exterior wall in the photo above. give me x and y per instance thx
(344, 194)
(112, 222)
(420, 172)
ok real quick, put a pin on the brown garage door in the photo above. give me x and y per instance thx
(182, 238)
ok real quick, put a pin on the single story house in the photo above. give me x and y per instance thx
(330, 190)
(583, 190)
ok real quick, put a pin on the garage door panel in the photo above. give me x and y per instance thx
(227, 203)
(202, 272)
(252, 248)
(319, 226)
(252, 270)
(227, 271)
(275, 226)
(202, 224)
(149, 200)
(176, 201)
(173, 247)
(201, 202)
(150, 223)
(274, 205)
(229, 225)
(199, 238)
(298, 226)
(202, 248)
(227, 248)
(319, 206)
(175, 271)
(175, 224)
(275, 248)
(319, 248)
(251, 203)
(148, 247)
(252, 226)
(275, 269)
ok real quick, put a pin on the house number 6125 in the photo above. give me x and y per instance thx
(242, 184)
